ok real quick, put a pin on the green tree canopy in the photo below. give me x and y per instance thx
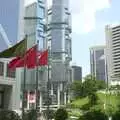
(94, 115)
(90, 85)
(9, 115)
(61, 114)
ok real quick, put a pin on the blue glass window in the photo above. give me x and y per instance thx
(41, 12)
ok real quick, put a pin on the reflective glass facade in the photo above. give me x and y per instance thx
(97, 62)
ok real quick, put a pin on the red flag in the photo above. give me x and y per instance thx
(13, 62)
(29, 59)
(43, 58)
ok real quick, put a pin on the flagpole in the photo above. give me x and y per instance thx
(37, 79)
(48, 86)
(24, 84)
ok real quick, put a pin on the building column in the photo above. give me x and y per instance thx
(51, 89)
(5, 70)
(28, 104)
(40, 101)
(65, 101)
(58, 95)
(68, 98)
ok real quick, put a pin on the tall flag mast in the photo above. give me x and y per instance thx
(24, 84)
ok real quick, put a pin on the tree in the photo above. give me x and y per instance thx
(51, 113)
(93, 115)
(93, 98)
(101, 84)
(9, 115)
(30, 115)
(77, 88)
(116, 116)
(61, 114)
(89, 86)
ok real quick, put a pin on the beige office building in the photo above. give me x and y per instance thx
(113, 53)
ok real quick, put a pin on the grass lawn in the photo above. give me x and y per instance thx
(79, 102)
(111, 100)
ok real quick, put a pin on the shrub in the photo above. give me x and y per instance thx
(9, 115)
(61, 114)
(51, 113)
(30, 115)
(94, 115)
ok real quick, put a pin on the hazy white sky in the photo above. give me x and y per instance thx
(83, 23)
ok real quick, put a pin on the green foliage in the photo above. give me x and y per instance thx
(77, 88)
(93, 98)
(111, 103)
(85, 107)
(116, 116)
(30, 115)
(9, 115)
(101, 85)
(93, 115)
(89, 86)
(78, 103)
(51, 113)
(61, 114)
(110, 110)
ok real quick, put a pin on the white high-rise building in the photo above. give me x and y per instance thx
(113, 53)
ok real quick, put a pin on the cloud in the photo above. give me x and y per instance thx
(84, 12)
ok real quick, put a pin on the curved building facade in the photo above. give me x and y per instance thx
(113, 53)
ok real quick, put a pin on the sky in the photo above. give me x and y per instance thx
(89, 18)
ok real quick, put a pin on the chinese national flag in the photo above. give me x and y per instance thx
(29, 59)
(43, 59)
(13, 62)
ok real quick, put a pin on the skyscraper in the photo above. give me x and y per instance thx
(55, 36)
(97, 62)
(34, 29)
(113, 53)
(59, 41)
(76, 73)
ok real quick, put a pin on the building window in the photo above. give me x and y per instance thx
(1, 68)
(41, 12)
(56, 56)
(10, 73)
